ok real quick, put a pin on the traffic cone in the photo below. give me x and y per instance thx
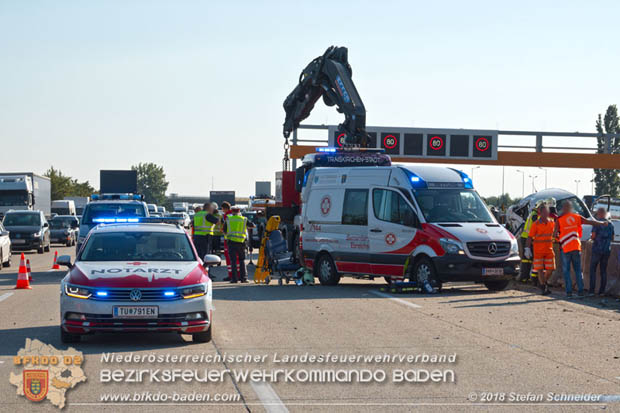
(29, 271)
(55, 266)
(22, 276)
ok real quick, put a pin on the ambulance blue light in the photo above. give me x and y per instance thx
(326, 149)
(467, 182)
(102, 293)
(415, 179)
(169, 293)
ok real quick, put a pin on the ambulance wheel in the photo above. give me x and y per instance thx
(68, 337)
(203, 337)
(326, 270)
(424, 271)
(497, 285)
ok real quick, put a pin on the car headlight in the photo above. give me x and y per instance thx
(77, 292)
(37, 234)
(193, 292)
(514, 247)
(451, 246)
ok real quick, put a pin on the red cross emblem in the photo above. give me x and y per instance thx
(390, 239)
(136, 263)
(326, 205)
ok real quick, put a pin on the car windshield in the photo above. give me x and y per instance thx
(27, 220)
(13, 198)
(96, 210)
(452, 205)
(578, 206)
(61, 222)
(137, 246)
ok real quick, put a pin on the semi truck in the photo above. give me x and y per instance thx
(25, 191)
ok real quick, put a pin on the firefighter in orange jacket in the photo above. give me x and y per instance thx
(541, 238)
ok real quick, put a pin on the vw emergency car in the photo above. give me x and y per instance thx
(136, 277)
(419, 222)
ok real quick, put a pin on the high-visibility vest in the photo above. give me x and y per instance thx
(236, 228)
(528, 224)
(218, 229)
(542, 234)
(200, 223)
(570, 232)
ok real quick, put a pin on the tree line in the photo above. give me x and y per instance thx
(152, 183)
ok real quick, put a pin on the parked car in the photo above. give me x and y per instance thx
(187, 222)
(64, 229)
(29, 230)
(5, 248)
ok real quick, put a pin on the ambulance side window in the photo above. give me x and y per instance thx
(390, 206)
(355, 207)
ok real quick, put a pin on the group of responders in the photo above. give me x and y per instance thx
(303, 358)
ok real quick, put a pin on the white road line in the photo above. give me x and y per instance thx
(269, 398)
(5, 296)
(398, 300)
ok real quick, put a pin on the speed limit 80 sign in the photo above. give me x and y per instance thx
(432, 143)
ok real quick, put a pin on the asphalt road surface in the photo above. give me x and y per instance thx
(512, 342)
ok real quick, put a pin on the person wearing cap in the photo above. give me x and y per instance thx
(568, 231)
(217, 230)
(601, 250)
(236, 234)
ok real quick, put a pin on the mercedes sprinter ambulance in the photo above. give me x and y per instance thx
(364, 217)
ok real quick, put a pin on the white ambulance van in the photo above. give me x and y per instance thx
(416, 222)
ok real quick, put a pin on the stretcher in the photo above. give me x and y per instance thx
(273, 256)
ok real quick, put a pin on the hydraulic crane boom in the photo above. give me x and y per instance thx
(328, 76)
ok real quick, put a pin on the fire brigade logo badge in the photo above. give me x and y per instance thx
(390, 239)
(35, 384)
(570, 221)
(326, 205)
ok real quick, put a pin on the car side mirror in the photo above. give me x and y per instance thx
(65, 260)
(210, 260)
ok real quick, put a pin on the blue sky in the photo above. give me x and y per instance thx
(197, 86)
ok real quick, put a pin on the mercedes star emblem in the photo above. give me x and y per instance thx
(492, 248)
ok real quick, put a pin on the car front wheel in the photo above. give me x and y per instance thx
(68, 337)
(326, 270)
(203, 337)
(497, 285)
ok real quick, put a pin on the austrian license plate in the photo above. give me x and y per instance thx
(492, 271)
(136, 311)
(18, 241)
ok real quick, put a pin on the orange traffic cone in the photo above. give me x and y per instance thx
(22, 276)
(29, 271)
(55, 266)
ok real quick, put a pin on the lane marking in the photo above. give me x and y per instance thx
(5, 296)
(398, 300)
(269, 398)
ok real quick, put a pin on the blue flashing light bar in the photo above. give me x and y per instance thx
(115, 220)
(169, 293)
(102, 293)
(467, 182)
(124, 197)
(416, 181)
(326, 150)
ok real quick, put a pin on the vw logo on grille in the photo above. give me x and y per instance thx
(135, 295)
(492, 248)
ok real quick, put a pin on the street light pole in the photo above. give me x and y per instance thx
(472, 171)
(523, 183)
(544, 169)
(533, 179)
(577, 182)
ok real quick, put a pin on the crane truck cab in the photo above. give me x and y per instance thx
(364, 217)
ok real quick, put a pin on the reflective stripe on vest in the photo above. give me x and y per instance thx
(236, 228)
(218, 229)
(528, 224)
(570, 232)
(200, 227)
